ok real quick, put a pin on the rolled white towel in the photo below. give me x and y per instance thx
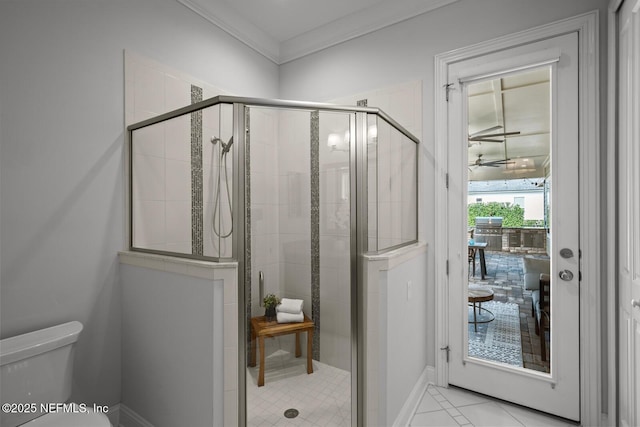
(289, 318)
(288, 305)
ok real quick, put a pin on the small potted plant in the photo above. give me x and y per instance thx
(270, 301)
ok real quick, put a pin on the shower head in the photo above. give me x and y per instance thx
(225, 147)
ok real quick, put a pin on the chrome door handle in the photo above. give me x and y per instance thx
(566, 275)
(635, 303)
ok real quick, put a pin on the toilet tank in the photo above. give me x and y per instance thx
(36, 368)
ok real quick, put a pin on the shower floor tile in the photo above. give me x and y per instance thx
(322, 398)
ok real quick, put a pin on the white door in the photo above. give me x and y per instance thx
(629, 212)
(556, 392)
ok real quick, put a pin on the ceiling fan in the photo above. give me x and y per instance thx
(491, 163)
(485, 135)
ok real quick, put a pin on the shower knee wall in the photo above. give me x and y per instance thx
(179, 341)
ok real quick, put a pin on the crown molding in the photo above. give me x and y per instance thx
(346, 28)
(238, 27)
(355, 25)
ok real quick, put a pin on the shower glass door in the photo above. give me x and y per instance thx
(298, 237)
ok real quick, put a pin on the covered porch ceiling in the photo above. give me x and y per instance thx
(515, 103)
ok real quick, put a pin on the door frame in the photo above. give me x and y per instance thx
(613, 307)
(586, 26)
(612, 211)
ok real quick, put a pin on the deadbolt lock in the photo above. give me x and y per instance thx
(566, 253)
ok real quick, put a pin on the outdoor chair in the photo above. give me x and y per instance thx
(543, 313)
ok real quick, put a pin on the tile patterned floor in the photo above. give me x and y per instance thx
(455, 407)
(322, 398)
(505, 277)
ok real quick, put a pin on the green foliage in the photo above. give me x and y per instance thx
(512, 215)
(270, 300)
(533, 223)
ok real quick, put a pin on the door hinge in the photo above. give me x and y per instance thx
(447, 268)
(446, 180)
(447, 88)
(447, 349)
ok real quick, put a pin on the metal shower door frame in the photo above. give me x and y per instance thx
(358, 175)
(358, 236)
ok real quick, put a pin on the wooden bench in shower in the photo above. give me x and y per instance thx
(261, 328)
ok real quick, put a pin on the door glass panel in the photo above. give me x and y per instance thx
(509, 185)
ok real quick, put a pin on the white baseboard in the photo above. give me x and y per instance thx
(409, 408)
(431, 374)
(130, 418)
(114, 415)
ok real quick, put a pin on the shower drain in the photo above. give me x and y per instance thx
(291, 413)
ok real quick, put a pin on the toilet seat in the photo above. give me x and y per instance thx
(69, 419)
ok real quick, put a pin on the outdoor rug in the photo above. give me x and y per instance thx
(498, 340)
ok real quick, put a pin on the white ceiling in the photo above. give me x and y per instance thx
(284, 30)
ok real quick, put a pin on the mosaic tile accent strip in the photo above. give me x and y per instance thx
(197, 219)
(315, 230)
(247, 236)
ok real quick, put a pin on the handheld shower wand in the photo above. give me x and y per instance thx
(216, 213)
(225, 147)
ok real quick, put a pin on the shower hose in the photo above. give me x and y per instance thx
(216, 210)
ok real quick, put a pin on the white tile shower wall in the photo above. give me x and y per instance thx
(217, 122)
(162, 155)
(396, 183)
(210, 171)
(177, 179)
(335, 226)
(372, 195)
(403, 102)
(294, 209)
(265, 241)
(409, 190)
(386, 173)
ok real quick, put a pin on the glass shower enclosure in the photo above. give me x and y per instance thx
(295, 193)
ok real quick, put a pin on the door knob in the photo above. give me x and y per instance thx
(566, 275)
(635, 303)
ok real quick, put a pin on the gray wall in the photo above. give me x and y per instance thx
(405, 52)
(173, 369)
(62, 186)
(62, 214)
